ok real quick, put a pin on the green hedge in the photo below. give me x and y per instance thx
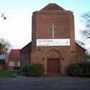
(79, 69)
(75, 70)
(86, 69)
(32, 70)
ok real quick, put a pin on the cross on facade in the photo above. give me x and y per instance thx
(53, 26)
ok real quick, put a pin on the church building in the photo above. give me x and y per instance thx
(53, 41)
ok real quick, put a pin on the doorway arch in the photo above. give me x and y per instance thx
(53, 62)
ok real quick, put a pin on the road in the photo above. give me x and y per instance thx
(45, 83)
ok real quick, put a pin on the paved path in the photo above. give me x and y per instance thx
(45, 83)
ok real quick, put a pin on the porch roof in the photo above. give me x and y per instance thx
(3, 57)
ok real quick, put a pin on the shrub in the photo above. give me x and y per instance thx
(32, 70)
(36, 69)
(75, 70)
(86, 68)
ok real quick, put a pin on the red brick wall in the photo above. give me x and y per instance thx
(64, 20)
(80, 54)
(25, 55)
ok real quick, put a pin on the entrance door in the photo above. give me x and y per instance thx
(53, 66)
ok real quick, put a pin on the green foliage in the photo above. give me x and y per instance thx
(75, 70)
(80, 69)
(32, 70)
(86, 69)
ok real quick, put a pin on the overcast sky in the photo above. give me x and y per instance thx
(17, 27)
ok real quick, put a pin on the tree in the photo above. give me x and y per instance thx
(86, 19)
(86, 32)
(4, 46)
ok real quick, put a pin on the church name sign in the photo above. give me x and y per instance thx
(53, 42)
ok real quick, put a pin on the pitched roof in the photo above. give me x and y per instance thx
(52, 6)
(26, 48)
(80, 44)
(82, 47)
(15, 53)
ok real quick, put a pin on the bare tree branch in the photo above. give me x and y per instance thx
(86, 18)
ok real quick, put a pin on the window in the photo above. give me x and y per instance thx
(18, 63)
(11, 63)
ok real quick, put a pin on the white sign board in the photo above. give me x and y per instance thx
(53, 42)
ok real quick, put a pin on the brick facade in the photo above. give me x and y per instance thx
(25, 55)
(64, 21)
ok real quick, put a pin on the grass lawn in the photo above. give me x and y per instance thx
(7, 74)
